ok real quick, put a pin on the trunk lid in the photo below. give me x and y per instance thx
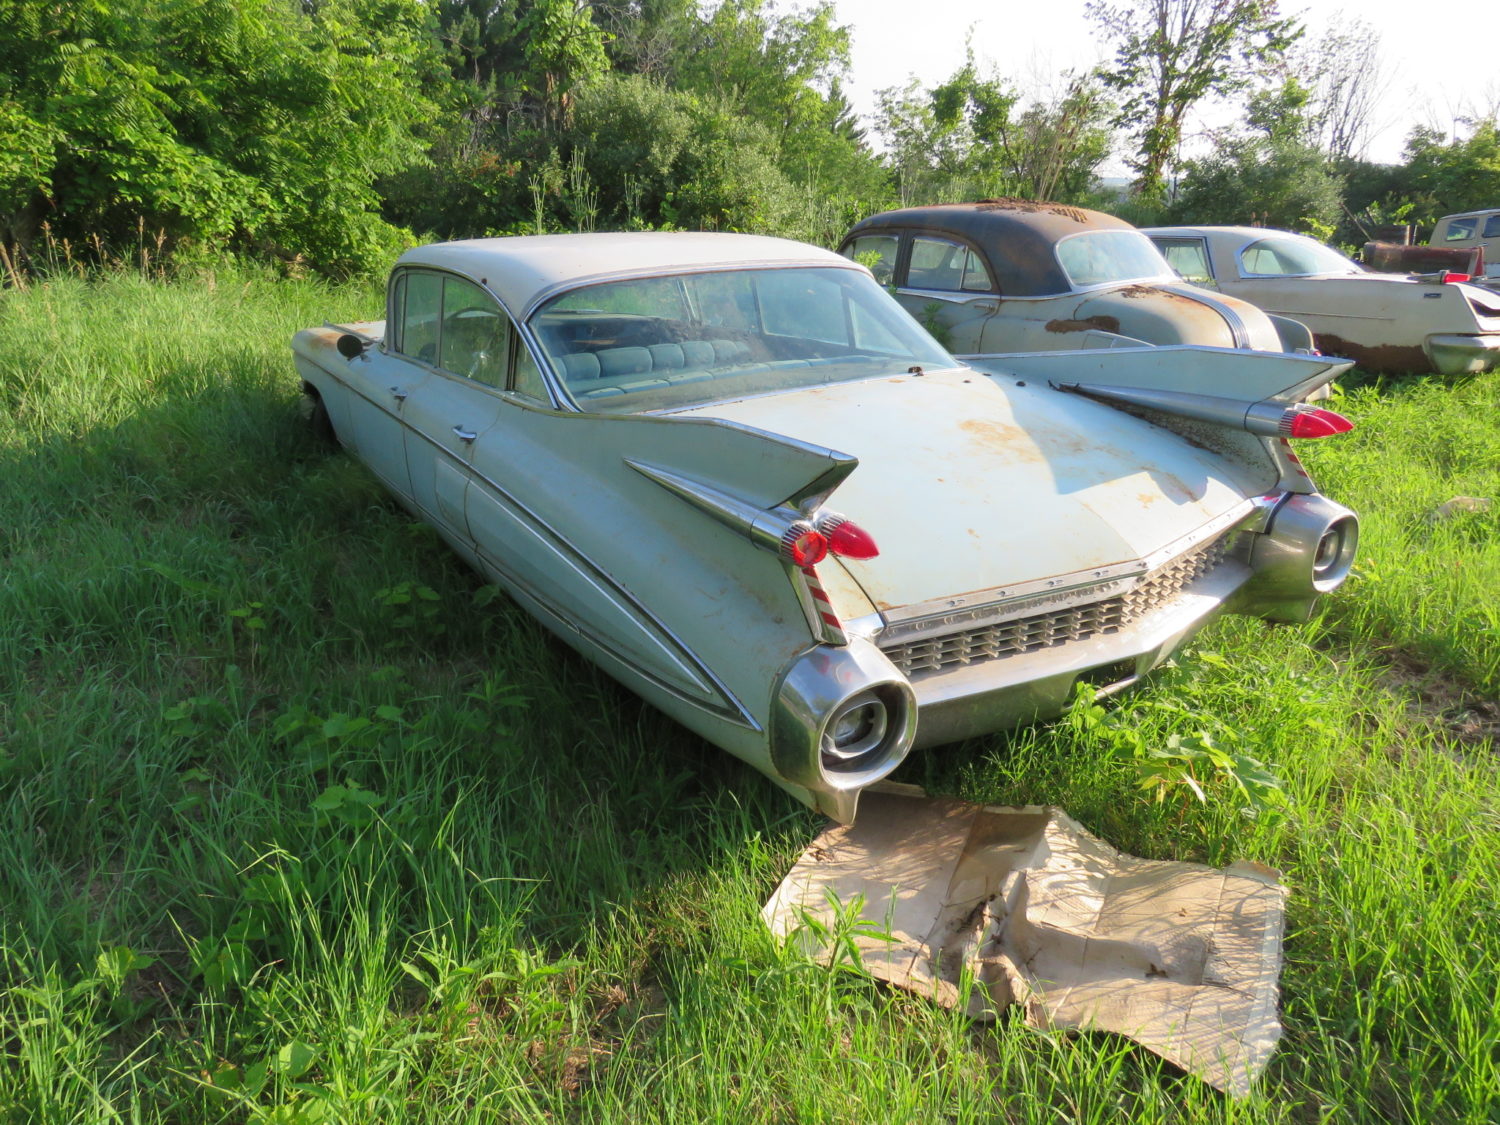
(971, 482)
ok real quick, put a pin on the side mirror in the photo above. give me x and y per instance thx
(350, 346)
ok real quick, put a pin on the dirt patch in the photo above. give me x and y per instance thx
(1088, 324)
(1440, 701)
(1384, 359)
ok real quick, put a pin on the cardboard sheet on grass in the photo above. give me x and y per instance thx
(1182, 958)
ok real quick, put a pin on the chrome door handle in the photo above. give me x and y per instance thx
(464, 435)
(398, 394)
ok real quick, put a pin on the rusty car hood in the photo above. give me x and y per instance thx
(971, 482)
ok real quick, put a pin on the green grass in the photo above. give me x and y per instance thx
(297, 826)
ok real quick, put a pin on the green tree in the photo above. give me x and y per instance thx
(262, 123)
(1273, 181)
(563, 49)
(964, 139)
(1172, 54)
(1461, 174)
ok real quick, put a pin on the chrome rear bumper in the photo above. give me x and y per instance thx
(1464, 355)
(977, 698)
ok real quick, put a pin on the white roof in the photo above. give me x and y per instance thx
(1248, 234)
(524, 270)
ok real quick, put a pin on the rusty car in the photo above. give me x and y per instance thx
(1473, 230)
(1386, 323)
(1468, 242)
(734, 473)
(1009, 275)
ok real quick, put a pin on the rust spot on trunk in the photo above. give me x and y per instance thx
(998, 437)
(1091, 323)
(1385, 359)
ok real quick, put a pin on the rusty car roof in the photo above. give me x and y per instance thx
(1028, 230)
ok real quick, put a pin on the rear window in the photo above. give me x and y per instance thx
(1106, 257)
(1290, 256)
(665, 343)
(1492, 227)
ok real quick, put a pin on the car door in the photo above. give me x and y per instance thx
(533, 504)
(381, 381)
(460, 400)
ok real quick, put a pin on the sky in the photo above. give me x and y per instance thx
(1032, 42)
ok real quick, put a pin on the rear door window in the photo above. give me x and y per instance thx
(1492, 226)
(937, 263)
(475, 340)
(1188, 258)
(877, 252)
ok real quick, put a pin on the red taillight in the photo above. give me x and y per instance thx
(1450, 278)
(804, 545)
(847, 538)
(1314, 422)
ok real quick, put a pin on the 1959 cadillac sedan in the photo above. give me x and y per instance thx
(735, 474)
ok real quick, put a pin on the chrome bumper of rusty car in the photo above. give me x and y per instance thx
(1464, 355)
(985, 667)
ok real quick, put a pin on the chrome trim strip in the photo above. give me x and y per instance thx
(985, 607)
(763, 528)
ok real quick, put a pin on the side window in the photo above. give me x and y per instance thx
(878, 252)
(1492, 227)
(1188, 258)
(475, 339)
(1460, 229)
(418, 298)
(724, 300)
(525, 377)
(1263, 260)
(936, 263)
(976, 276)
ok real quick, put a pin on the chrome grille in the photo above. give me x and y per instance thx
(1076, 623)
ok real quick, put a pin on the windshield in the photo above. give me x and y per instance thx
(1106, 257)
(1289, 256)
(662, 343)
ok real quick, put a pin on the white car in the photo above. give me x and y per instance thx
(735, 474)
(1384, 322)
